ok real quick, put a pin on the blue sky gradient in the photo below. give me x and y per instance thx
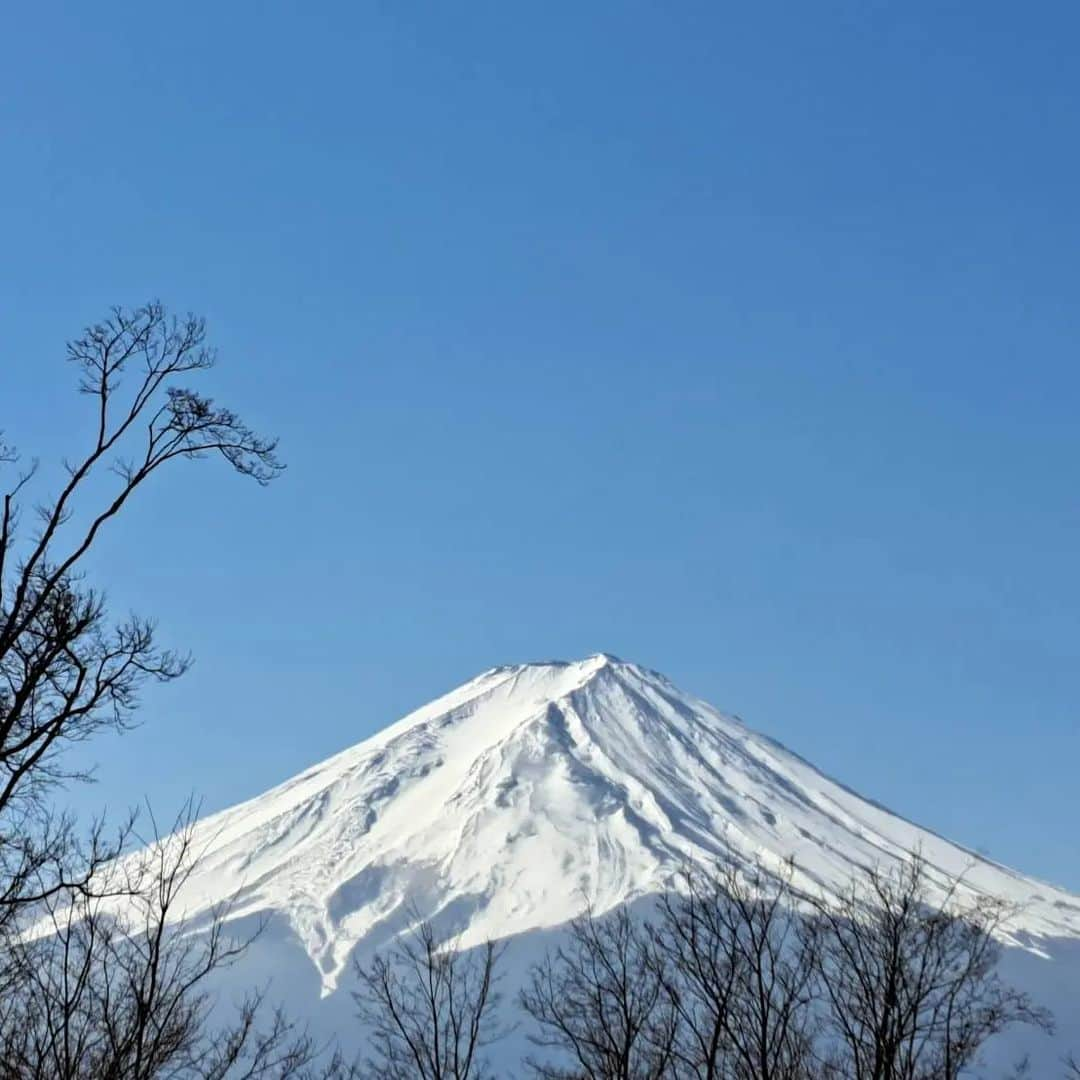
(739, 341)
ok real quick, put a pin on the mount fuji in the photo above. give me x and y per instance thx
(500, 808)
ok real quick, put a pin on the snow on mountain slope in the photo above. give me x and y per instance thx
(503, 804)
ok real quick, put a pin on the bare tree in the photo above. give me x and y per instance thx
(67, 670)
(911, 986)
(739, 974)
(430, 1008)
(113, 984)
(99, 976)
(700, 965)
(601, 1004)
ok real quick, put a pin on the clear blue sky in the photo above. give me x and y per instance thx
(738, 340)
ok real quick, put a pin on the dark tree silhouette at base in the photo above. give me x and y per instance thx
(740, 977)
(430, 1008)
(600, 1002)
(910, 980)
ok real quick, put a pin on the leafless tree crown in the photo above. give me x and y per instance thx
(599, 1003)
(112, 984)
(100, 977)
(911, 984)
(740, 977)
(67, 670)
(429, 1008)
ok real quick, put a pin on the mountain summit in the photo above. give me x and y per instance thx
(505, 803)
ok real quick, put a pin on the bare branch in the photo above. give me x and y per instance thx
(112, 983)
(429, 1008)
(912, 988)
(601, 1005)
(67, 670)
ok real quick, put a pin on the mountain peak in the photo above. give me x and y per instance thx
(605, 659)
(588, 664)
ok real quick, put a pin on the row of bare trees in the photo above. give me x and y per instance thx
(738, 977)
(733, 976)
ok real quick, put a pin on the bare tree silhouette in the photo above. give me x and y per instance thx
(430, 1008)
(601, 1005)
(114, 984)
(911, 985)
(67, 670)
(99, 976)
(740, 976)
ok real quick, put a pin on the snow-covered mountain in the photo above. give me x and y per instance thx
(501, 806)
